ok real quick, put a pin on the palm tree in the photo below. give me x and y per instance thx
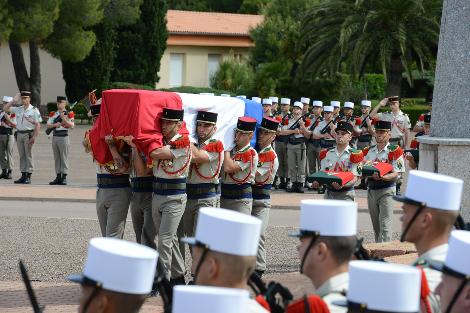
(355, 34)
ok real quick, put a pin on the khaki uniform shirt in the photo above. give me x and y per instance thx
(437, 255)
(26, 119)
(374, 155)
(207, 172)
(248, 168)
(51, 119)
(334, 161)
(319, 127)
(292, 120)
(363, 130)
(400, 122)
(333, 290)
(266, 170)
(175, 168)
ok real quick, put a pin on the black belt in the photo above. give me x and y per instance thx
(376, 185)
(282, 138)
(233, 191)
(6, 131)
(261, 192)
(201, 191)
(296, 141)
(61, 133)
(341, 190)
(327, 143)
(142, 184)
(365, 138)
(108, 181)
(165, 187)
(315, 142)
(25, 131)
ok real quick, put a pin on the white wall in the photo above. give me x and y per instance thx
(52, 83)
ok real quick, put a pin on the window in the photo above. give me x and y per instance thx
(212, 66)
(176, 69)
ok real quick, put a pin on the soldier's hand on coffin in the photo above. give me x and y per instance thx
(109, 139)
(376, 176)
(409, 156)
(315, 185)
(129, 140)
(336, 186)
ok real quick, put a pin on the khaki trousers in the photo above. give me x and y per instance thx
(297, 158)
(60, 148)
(167, 212)
(281, 151)
(25, 150)
(6, 151)
(142, 220)
(239, 205)
(112, 205)
(341, 195)
(192, 211)
(380, 203)
(260, 210)
(313, 158)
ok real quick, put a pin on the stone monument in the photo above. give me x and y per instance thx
(447, 149)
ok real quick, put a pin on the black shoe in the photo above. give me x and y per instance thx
(57, 180)
(177, 281)
(22, 179)
(63, 180)
(28, 179)
(322, 190)
(4, 174)
(283, 184)
(8, 176)
(153, 293)
(276, 182)
(260, 273)
(300, 188)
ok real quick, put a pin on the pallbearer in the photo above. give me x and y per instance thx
(59, 123)
(239, 169)
(265, 172)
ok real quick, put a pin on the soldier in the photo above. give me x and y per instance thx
(336, 108)
(390, 288)
(454, 290)
(413, 160)
(430, 207)
(28, 124)
(400, 125)
(325, 129)
(306, 107)
(419, 126)
(364, 129)
(348, 113)
(60, 122)
(224, 250)
(381, 189)
(240, 169)
(281, 143)
(343, 158)
(313, 145)
(7, 124)
(265, 172)
(267, 104)
(327, 240)
(171, 167)
(203, 177)
(117, 276)
(274, 107)
(142, 191)
(296, 150)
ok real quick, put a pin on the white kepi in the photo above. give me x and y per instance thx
(335, 104)
(433, 190)
(327, 218)
(349, 105)
(274, 99)
(383, 287)
(118, 265)
(328, 108)
(267, 101)
(203, 299)
(256, 99)
(285, 101)
(226, 231)
(318, 103)
(305, 100)
(7, 99)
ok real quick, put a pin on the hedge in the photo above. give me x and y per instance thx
(182, 89)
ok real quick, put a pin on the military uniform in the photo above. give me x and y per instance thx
(328, 141)
(236, 187)
(365, 137)
(436, 255)
(334, 290)
(203, 179)
(169, 199)
(296, 156)
(313, 145)
(265, 172)
(6, 143)
(350, 160)
(281, 147)
(26, 121)
(380, 193)
(400, 123)
(60, 145)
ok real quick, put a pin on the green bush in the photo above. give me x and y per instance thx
(196, 90)
(125, 85)
(81, 112)
(234, 76)
(370, 86)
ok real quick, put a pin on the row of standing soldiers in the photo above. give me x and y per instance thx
(165, 199)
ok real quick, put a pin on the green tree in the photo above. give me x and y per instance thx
(141, 46)
(253, 6)
(349, 35)
(234, 76)
(6, 22)
(45, 23)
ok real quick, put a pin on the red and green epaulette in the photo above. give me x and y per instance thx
(267, 156)
(308, 122)
(395, 152)
(51, 114)
(365, 151)
(214, 145)
(356, 156)
(245, 155)
(71, 114)
(358, 121)
(181, 142)
(323, 154)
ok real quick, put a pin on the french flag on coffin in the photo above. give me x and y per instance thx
(138, 113)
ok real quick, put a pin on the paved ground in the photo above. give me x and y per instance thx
(49, 226)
